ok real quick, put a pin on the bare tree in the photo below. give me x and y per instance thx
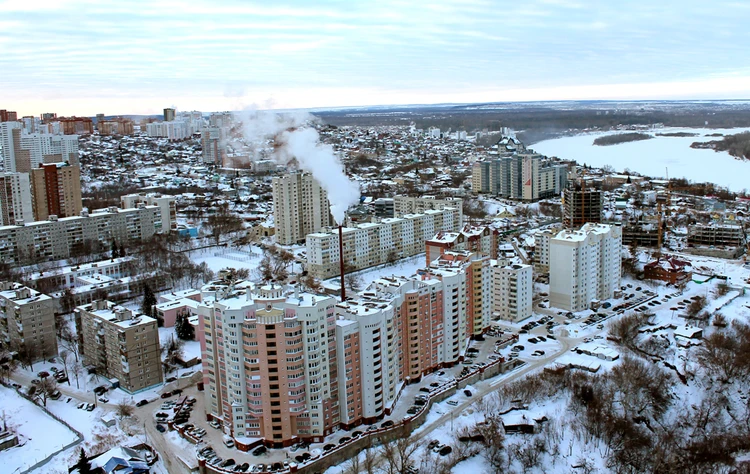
(45, 388)
(124, 409)
(8, 366)
(399, 455)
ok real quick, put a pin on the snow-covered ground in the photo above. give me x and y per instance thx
(652, 157)
(219, 258)
(39, 435)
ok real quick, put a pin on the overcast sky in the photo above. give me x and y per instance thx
(86, 57)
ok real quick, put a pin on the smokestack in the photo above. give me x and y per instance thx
(341, 261)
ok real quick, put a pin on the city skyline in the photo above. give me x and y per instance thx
(138, 58)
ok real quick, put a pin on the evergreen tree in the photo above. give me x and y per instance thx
(149, 300)
(115, 250)
(122, 251)
(83, 465)
(183, 328)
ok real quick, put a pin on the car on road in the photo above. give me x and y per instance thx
(141, 403)
(228, 462)
(468, 393)
(103, 399)
(166, 394)
(433, 444)
(452, 403)
(160, 428)
(100, 390)
(214, 424)
(387, 424)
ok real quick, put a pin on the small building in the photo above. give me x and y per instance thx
(8, 439)
(519, 423)
(668, 269)
(688, 332)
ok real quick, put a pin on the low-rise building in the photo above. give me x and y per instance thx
(668, 269)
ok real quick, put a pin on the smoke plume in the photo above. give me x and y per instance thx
(294, 139)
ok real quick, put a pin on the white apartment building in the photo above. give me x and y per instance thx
(57, 238)
(213, 145)
(300, 207)
(512, 291)
(403, 205)
(23, 151)
(15, 199)
(173, 130)
(369, 244)
(584, 266)
(166, 205)
(541, 248)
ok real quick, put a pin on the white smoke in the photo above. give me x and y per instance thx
(295, 139)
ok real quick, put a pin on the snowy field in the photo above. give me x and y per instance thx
(39, 435)
(652, 157)
(218, 258)
(405, 267)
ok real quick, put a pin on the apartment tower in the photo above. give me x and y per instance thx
(56, 188)
(300, 207)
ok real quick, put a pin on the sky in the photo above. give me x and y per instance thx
(138, 57)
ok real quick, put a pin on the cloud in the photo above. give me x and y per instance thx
(154, 52)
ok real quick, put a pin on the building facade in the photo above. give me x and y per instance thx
(582, 204)
(512, 291)
(15, 199)
(56, 188)
(478, 239)
(523, 176)
(214, 149)
(585, 265)
(27, 322)
(166, 205)
(120, 344)
(115, 126)
(404, 205)
(59, 238)
(23, 151)
(300, 207)
(369, 244)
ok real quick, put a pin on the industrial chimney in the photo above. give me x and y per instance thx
(341, 262)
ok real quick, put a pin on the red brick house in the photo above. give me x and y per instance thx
(669, 269)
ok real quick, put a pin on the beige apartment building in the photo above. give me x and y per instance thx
(120, 344)
(369, 244)
(27, 321)
(300, 207)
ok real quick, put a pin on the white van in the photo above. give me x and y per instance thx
(228, 441)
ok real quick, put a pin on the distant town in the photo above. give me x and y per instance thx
(267, 292)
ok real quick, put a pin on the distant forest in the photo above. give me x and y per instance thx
(618, 138)
(737, 145)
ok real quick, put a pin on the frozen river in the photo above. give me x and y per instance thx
(652, 157)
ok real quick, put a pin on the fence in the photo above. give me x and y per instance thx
(77, 441)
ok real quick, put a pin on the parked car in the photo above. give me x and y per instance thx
(90, 407)
(452, 403)
(445, 450)
(259, 450)
(166, 394)
(468, 393)
(214, 424)
(387, 424)
(177, 391)
(160, 428)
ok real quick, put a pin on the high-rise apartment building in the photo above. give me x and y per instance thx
(582, 203)
(15, 199)
(269, 364)
(48, 117)
(169, 114)
(76, 125)
(300, 207)
(56, 188)
(213, 144)
(115, 126)
(22, 151)
(512, 291)
(523, 176)
(172, 130)
(369, 244)
(120, 344)
(27, 321)
(584, 266)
